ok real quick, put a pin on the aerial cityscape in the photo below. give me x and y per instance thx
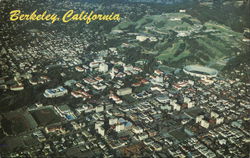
(125, 78)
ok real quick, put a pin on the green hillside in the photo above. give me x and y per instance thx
(183, 39)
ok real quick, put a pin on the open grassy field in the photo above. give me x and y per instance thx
(19, 121)
(45, 116)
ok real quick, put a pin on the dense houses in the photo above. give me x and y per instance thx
(184, 100)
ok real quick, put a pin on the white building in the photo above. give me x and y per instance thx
(98, 124)
(99, 108)
(101, 131)
(137, 129)
(219, 120)
(56, 92)
(177, 107)
(199, 118)
(204, 123)
(113, 121)
(119, 127)
(186, 99)
(191, 104)
(94, 64)
(143, 136)
(124, 91)
(112, 73)
(158, 79)
(103, 67)
(141, 38)
(75, 125)
(214, 114)
(128, 67)
(163, 99)
(166, 107)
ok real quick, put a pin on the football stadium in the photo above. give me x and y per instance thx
(200, 71)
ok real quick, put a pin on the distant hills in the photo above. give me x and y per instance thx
(183, 39)
(145, 1)
(159, 1)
